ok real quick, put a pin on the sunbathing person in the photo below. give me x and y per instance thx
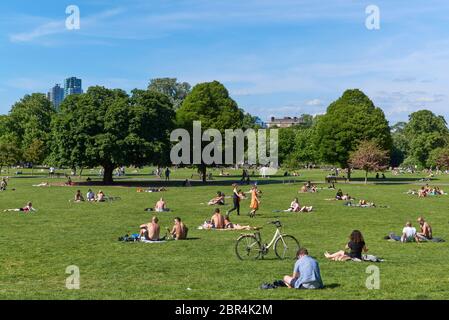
(347, 197)
(27, 208)
(42, 184)
(365, 204)
(422, 193)
(217, 219)
(425, 233)
(339, 195)
(161, 206)
(294, 206)
(90, 195)
(355, 246)
(235, 226)
(151, 230)
(100, 196)
(408, 234)
(304, 189)
(179, 230)
(218, 200)
(78, 196)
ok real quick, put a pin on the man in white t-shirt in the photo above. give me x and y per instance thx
(408, 233)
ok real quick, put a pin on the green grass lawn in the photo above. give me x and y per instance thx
(37, 248)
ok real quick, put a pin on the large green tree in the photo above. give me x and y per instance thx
(425, 132)
(108, 128)
(348, 121)
(29, 120)
(211, 104)
(176, 91)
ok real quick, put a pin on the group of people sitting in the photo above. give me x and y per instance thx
(296, 207)
(220, 222)
(308, 187)
(90, 196)
(410, 234)
(151, 231)
(427, 191)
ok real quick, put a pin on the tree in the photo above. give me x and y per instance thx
(369, 157)
(442, 158)
(211, 104)
(107, 128)
(425, 132)
(30, 120)
(400, 147)
(348, 121)
(10, 152)
(176, 91)
(35, 153)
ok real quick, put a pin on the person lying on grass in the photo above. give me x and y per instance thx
(235, 226)
(355, 246)
(161, 206)
(27, 208)
(408, 234)
(365, 204)
(151, 230)
(218, 200)
(306, 272)
(179, 230)
(78, 196)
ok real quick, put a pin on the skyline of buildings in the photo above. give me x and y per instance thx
(57, 94)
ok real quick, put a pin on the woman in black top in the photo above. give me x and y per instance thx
(236, 200)
(356, 246)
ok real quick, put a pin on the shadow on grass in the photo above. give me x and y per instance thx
(331, 286)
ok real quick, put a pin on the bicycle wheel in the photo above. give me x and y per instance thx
(247, 247)
(286, 247)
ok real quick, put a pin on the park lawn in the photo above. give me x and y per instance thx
(37, 248)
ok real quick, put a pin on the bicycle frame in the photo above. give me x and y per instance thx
(276, 236)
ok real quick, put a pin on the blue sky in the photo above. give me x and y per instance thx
(276, 57)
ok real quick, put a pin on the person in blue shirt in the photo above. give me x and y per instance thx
(306, 273)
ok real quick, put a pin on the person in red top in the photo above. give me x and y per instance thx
(27, 208)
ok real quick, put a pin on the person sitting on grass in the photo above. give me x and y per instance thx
(27, 208)
(304, 189)
(306, 273)
(294, 206)
(100, 196)
(356, 246)
(422, 193)
(161, 206)
(151, 230)
(408, 234)
(186, 183)
(218, 200)
(90, 195)
(3, 184)
(217, 219)
(425, 233)
(179, 230)
(339, 195)
(78, 196)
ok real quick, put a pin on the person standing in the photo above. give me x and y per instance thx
(167, 174)
(254, 201)
(235, 199)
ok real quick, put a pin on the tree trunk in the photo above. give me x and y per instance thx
(81, 172)
(107, 175)
(349, 174)
(366, 177)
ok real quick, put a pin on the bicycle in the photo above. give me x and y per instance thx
(250, 247)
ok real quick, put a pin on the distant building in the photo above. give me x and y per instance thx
(56, 95)
(285, 122)
(72, 86)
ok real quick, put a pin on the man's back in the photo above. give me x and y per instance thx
(218, 220)
(309, 273)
